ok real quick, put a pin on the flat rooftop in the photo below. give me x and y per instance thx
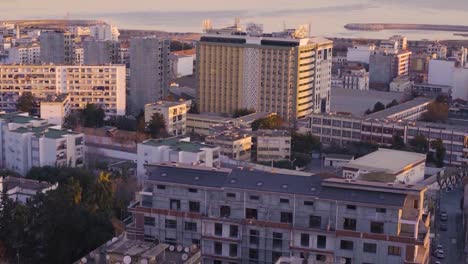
(167, 103)
(389, 112)
(176, 143)
(11, 182)
(272, 133)
(386, 160)
(19, 117)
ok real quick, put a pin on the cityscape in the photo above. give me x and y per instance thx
(316, 132)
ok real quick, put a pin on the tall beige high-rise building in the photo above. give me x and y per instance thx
(291, 77)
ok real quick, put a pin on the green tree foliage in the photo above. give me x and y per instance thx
(378, 107)
(127, 123)
(178, 46)
(72, 121)
(92, 116)
(270, 122)
(305, 143)
(242, 112)
(440, 151)
(194, 108)
(157, 126)
(141, 125)
(26, 103)
(357, 149)
(398, 143)
(437, 111)
(419, 144)
(392, 103)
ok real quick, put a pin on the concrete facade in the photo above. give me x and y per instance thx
(57, 47)
(174, 113)
(101, 52)
(54, 109)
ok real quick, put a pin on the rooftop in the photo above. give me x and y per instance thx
(387, 113)
(19, 117)
(189, 52)
(11, 182)
(177, 143)
(272, 133)
(167, 103)
(387, 160)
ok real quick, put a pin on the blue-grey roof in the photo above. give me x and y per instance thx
(188, 176)
(362, 196)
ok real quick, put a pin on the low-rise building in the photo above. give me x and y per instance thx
(336, 160)
(21, 189)
(437, 49)
(355, 77)
(387, 165)
(55, 108)
(234, 143)
(243, 215)
(409, 111)
(182, 63)
(174, 113)
(271, 145)
(401, 84)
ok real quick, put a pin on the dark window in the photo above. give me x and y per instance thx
(315, 221)
(309, 203)
(218, 248)
(254, 235)
(346, 244)
(231, 195)
(161, 187)
(350, 207)
(277, 240)
(377, 227)
(170, 223)
(192, 190)
(394, 251)
(233, 250)
(217, 261)
(275, 256)
(286, 217)
(415, 204)
(175, 204)
(253, 253)
(194, 207)
(251, 213)
(218, 229)
(349, 224)
(370, 248)
(305, 240)
(320, 257)
(224, 211)
(381, 210)
(196, 241)
(149, 221)
(233, 231)
(191, 226)
(254, 197)
(321, 241)
(283, 200)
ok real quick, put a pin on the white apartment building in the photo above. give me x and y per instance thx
(182, 63)
(387, 165)
(360, 53)
(356, 78)
(79, 56)
(176, 149)
(100, 85)
(104, 32)
(438, 49)
(55, 108)
(28, 142)
(174, 113)
(30, 54)
(272, 145)
(444, 72)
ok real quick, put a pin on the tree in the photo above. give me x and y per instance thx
(305, 143)
(436, 112)
(157, 126)
(378, 107)
(72, 121)
(392, 103)
(270, 122)
(92, 116)
(398, 143)
(194, 108)
(178, 46)
(141, 125)
(440, 151)
(242, 112)
(127, 123)
(26, 103)
(419, 144)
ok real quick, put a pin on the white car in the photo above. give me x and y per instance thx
(440, 254)
(439, 247)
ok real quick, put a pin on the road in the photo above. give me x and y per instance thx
(453, 239)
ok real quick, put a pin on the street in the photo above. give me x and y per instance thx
(452, 240)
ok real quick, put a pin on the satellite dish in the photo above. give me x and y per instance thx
(127, 260)
(84, 260)
(171, 248)
(184, 257)
(186, 250)
(179, 248)
(144, 261)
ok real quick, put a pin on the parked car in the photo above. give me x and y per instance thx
(440, 254)
(443, 216)
(443, 227)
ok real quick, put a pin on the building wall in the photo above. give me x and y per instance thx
(54, 112)
(175, 116)
(360, 53)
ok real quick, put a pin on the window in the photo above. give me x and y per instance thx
(250, 213)
(233, 250)
(217, 261)
(196, 241)
(381, 210)
(230, 195)
(350, 207)
(370, 248)
(394, 251)
(224, 211)
(275, 256)
(277, 240)
(218, 229)
(305, 238)
(253, 253)
(377, 227)
(175, 204)
(349, 224)
(320, 257)
(254, 235)
(169, 223)
(233, 231)
(149, 221)
(315, 221)
(191, 226)
(346, 244)
(309, 203)
(321, 241)
(194, 207)
(286, 217)
(416, 204)
(254, 197)
(161, 187)
(192, 190)
(218, 248)
(283, 200)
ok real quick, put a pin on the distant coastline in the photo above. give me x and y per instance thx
(393, 26)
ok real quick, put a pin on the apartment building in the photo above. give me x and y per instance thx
(234, 143)
(104, 32)
(386, 66)
(78, 56)
(437, 49)
(290, 77)
(175, 149)
(57, 47)
(355, 77)
(174, 113)
(101, 52)
(271, 145)
(246, 216)
(28, 142)
(101, 85)
(29, 54)
(55, 108)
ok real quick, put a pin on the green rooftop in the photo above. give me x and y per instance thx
(176, 144)
(16, 117)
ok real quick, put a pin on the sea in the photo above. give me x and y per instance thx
(325, 17)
